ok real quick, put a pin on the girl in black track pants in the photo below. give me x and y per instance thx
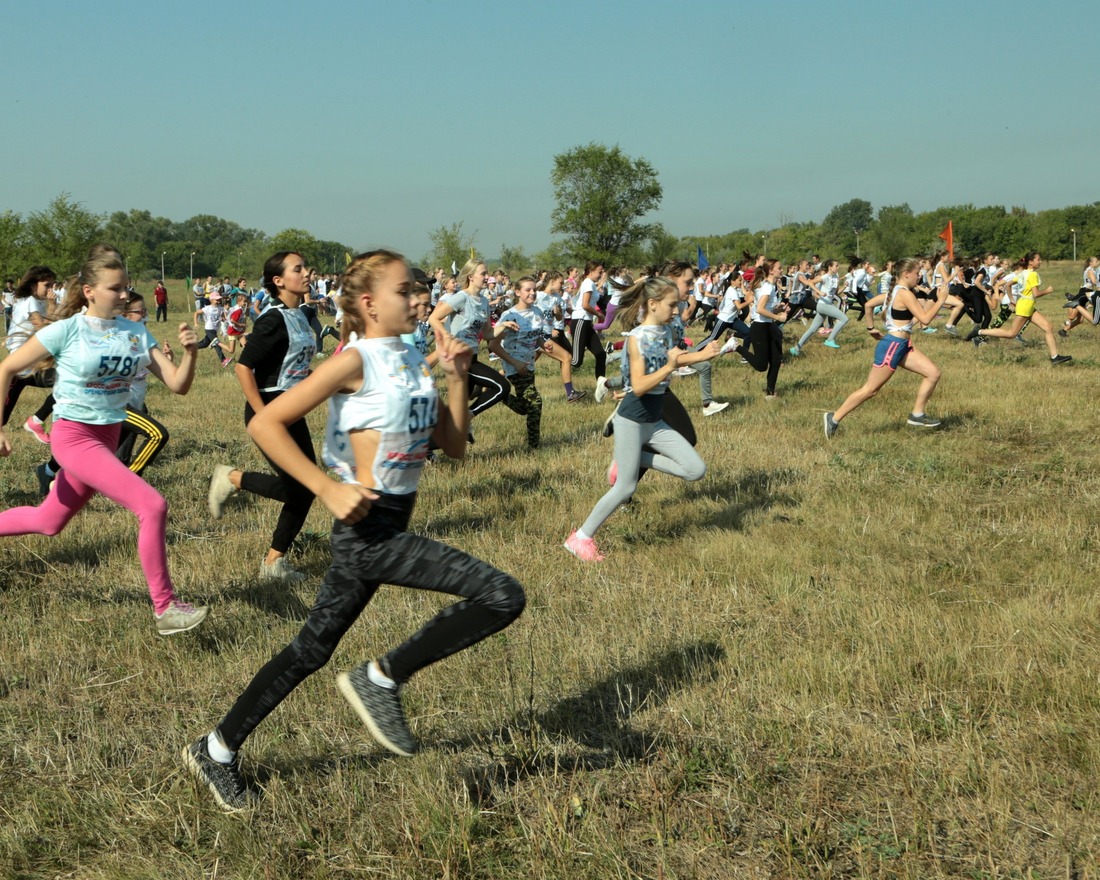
(383, 412)
(280, 350)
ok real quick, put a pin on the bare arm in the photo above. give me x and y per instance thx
(348, 502)
(178, 377)
(452, 430)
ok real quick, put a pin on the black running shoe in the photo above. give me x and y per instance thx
(44, 480)
(379, 708)
(1060, 359)
(223, 780)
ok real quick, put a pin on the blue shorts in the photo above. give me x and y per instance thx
(891, 351)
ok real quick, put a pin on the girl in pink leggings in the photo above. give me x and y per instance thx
(98, 355)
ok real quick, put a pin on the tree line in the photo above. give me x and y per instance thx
(61, 234)
(602, 199)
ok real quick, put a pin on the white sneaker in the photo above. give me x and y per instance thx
(601, 389)
(179, 617)
(220, 489)
(685, 371)
(714, 407)
(280, 571)
(731, 345)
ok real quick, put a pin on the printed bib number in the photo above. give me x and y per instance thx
(115, 366)
(422, 415)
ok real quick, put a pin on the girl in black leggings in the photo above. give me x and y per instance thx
(764, 349)
(278, 356)
(383, 412)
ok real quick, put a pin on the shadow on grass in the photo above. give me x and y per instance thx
(753, 492)
(597, 719)
(274, 597)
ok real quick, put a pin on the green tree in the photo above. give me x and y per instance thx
(891, 236)
(601, 196)
(12, 235)
(845, 223)
(300, 242)
(450, 245)
(514, 259)
(61, 235)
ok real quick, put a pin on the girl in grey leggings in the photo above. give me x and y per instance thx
(824, 288)
(649, 360)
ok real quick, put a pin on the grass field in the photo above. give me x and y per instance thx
(874, 657)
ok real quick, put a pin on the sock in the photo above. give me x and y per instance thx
(582, 536)
(218, 751)
(378, 677)
(50, 472)
(568, 387)
(919, 415)
(36, 420)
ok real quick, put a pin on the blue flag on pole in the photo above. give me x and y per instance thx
(704, 263)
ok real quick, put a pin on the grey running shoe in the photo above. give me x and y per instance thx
(830, 426)
(1060, 359)
(220, 489)
(180, 617)
(223, 780)
(280, 571)
(577, 395)
(379, 708)
(950, 330)
(924, 421)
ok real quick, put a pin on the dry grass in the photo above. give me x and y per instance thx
(873, 657)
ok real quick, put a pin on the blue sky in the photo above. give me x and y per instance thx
(375, 123)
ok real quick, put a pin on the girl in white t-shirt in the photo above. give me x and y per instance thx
(99, 355)
(30, 306)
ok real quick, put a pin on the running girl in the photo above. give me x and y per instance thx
(280, 349)
(902, 309)
(649, 360)
(465, 316)
(1025, 312)
(98, 357)
(585, 313)
(764, 350)
(517, 341)
(827, 306)
(383, 412)
(28, 314)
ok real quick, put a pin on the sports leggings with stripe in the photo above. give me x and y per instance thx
(485, 386)
(377, 550)
(586, 337)
(138, 424)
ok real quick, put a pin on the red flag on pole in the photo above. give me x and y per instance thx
(948, 236)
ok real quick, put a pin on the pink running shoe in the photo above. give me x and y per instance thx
(583, 548)
(38, 429)
(613, 473)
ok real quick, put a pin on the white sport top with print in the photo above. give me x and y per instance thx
(397, 399)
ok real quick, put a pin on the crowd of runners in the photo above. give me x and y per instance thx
(398, 334)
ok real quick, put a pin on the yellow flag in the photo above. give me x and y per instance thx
(347, 258)
(471, 253)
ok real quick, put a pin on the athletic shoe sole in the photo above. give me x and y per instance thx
(343, 681)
